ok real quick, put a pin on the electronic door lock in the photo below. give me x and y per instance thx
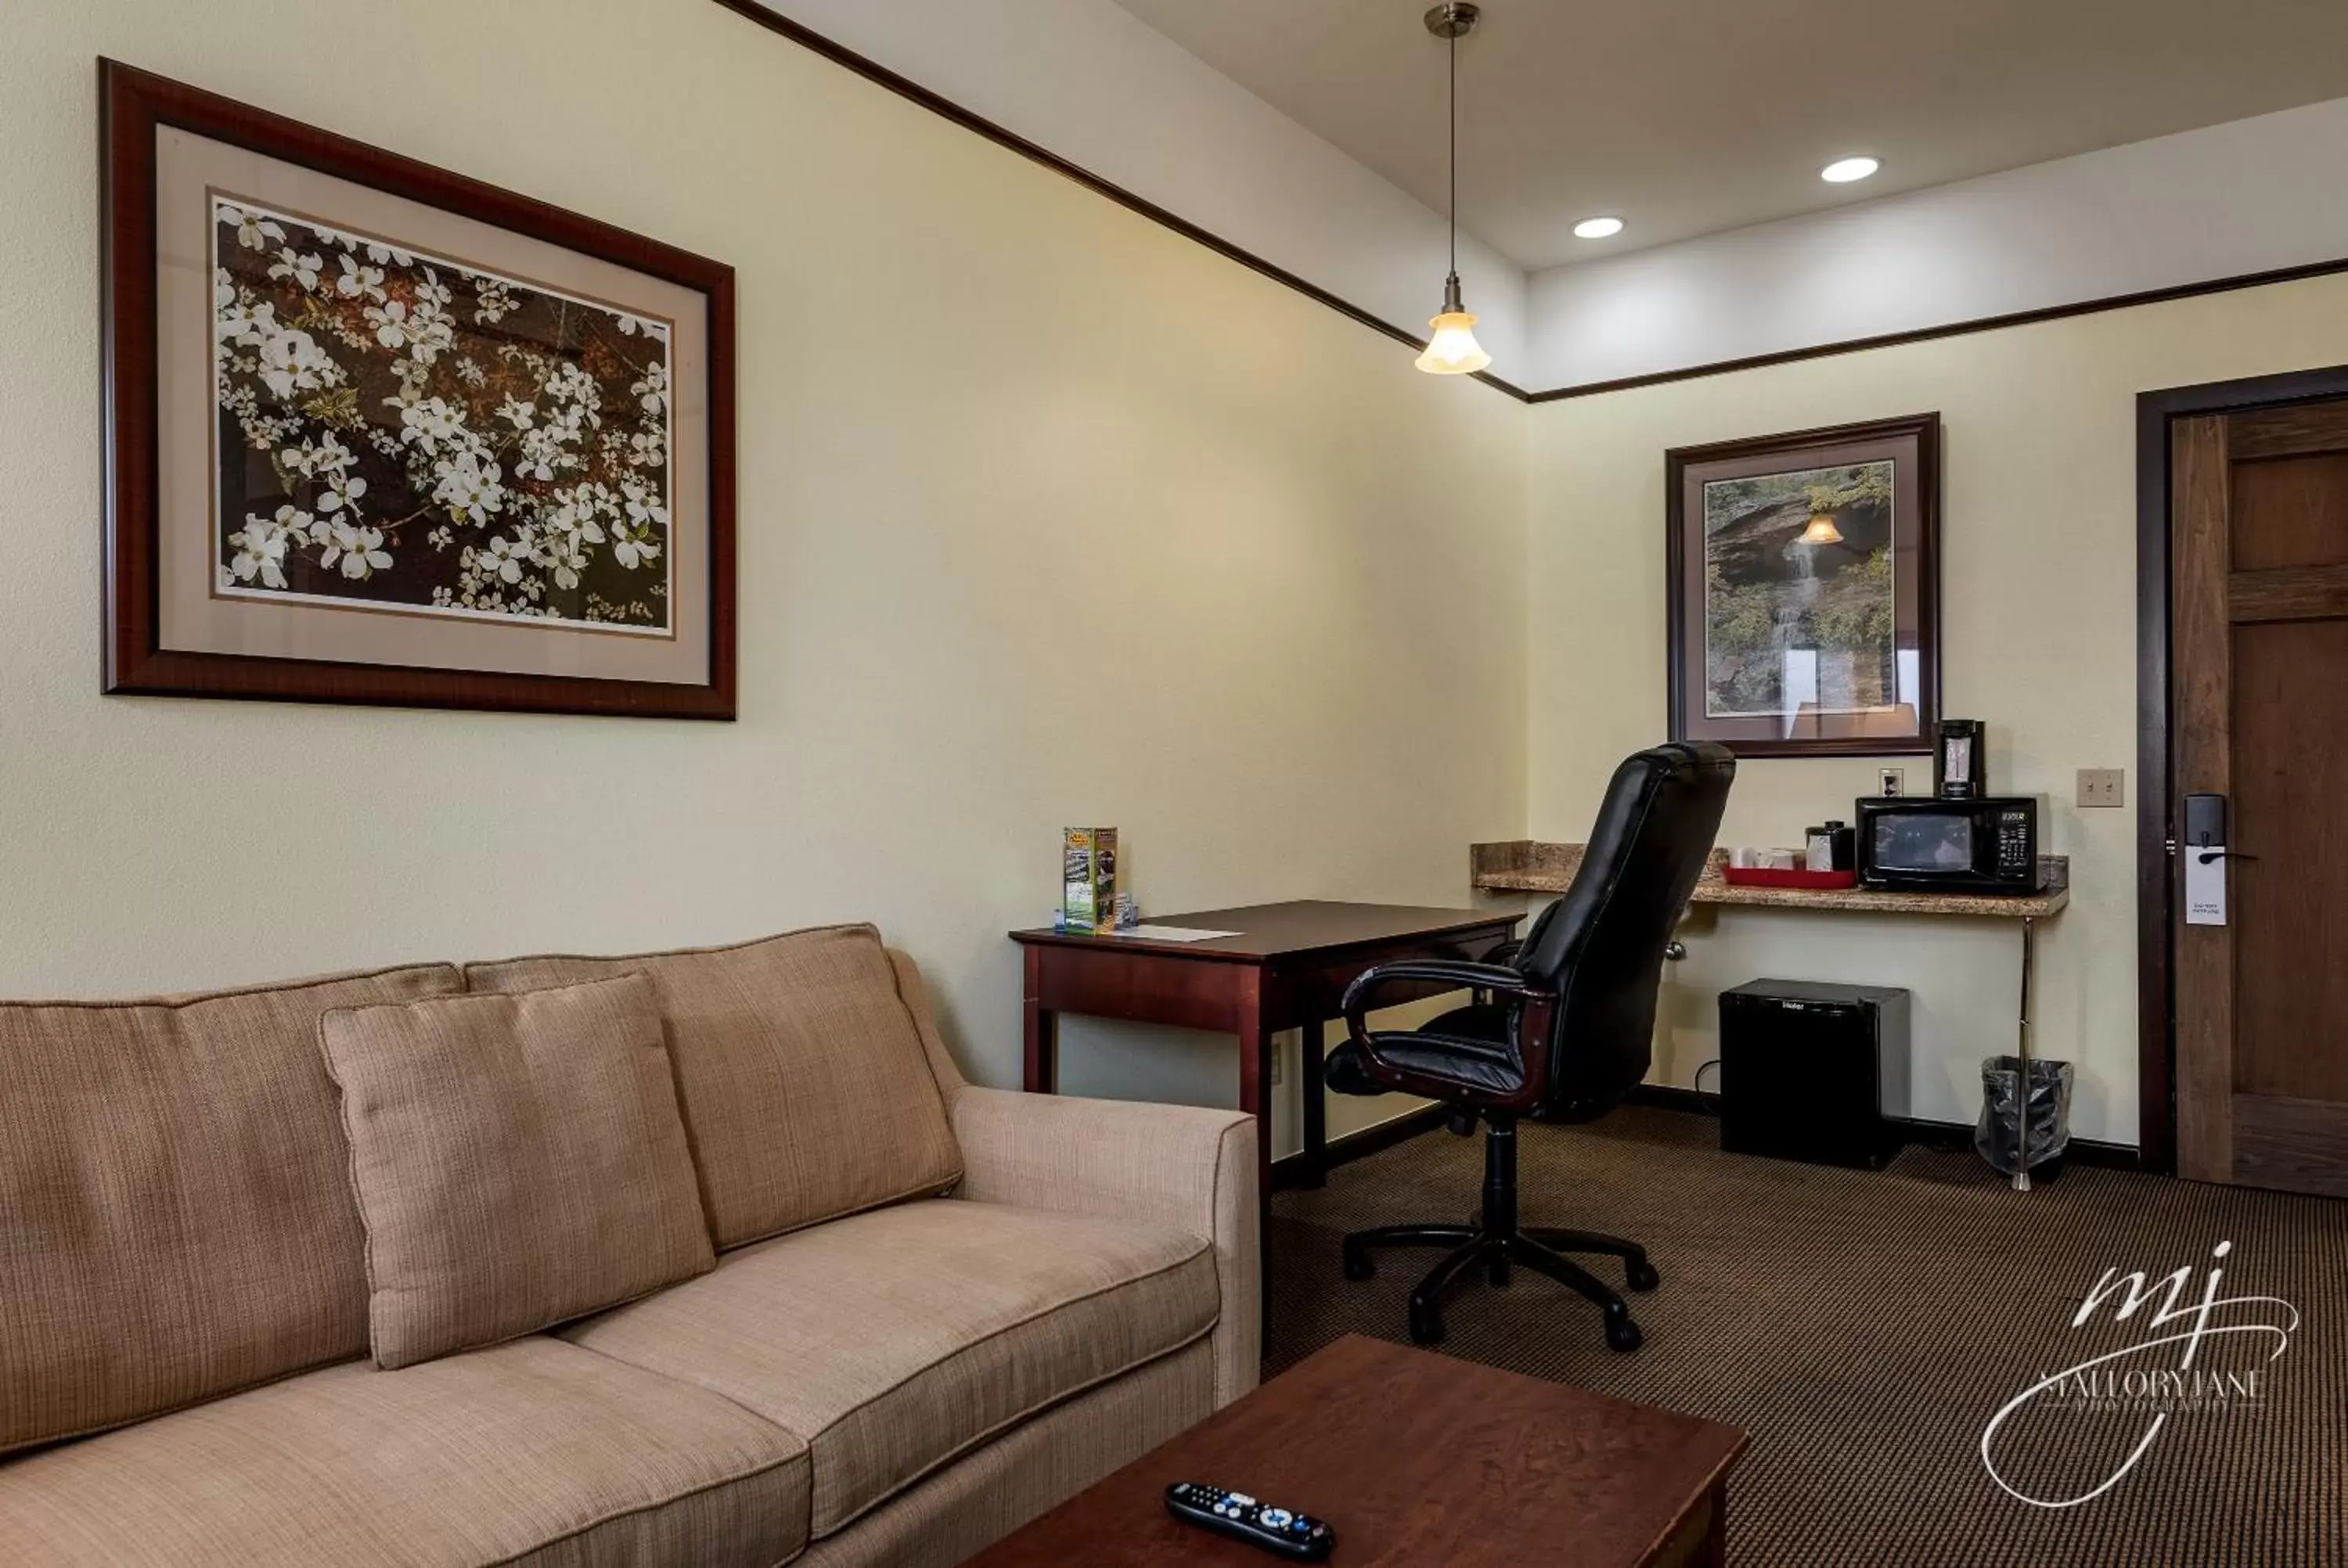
(2205, 827)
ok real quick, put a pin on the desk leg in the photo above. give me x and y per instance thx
(1043, 1032)
(1315, 1106)
(1255, 1082)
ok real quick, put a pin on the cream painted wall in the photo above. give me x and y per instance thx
(1049, 517)
(2037, 597)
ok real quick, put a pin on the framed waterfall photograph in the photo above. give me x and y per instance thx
(381, 434)
(1803, 591)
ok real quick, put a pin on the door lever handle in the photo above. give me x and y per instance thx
(2208, 856)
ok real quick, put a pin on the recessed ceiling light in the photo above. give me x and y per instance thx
(1843, 170)
(1597, 228)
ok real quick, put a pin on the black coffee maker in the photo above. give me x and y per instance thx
(1960, 759)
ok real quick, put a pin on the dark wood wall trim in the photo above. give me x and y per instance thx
(1946, 1136)
(905, 88)
(2156, 1047)
(1288, 1171)
(1950, 329)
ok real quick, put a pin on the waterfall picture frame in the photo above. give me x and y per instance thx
(1802, 586)
(381, 434)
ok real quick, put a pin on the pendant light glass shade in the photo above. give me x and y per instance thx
(1451, 345)
(1822, 531)
(1453, 349)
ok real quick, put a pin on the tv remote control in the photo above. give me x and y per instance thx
(1236, 1515)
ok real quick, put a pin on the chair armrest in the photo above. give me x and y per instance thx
(1173, 1165)
(1456, 972)
(1539, 1005)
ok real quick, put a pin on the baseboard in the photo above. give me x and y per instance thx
(1288, 1171)
(2080, 1151)
(1953, 1135)
(1666, 1097)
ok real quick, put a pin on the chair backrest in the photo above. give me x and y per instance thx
(1601, 946)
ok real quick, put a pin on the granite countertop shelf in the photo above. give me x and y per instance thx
(1528, 866)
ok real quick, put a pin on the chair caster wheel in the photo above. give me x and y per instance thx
(1642, 1275)
(1623, 1335)
(1358, 1266)
(1426, 1328)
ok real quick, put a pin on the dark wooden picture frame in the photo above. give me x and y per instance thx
(133, 108)
(1892, 503)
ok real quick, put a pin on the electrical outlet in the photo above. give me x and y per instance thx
(1891, 781)
(2103, 787)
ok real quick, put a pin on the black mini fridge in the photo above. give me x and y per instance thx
(1806, 1068)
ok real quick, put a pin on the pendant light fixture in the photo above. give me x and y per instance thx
(1452, 349)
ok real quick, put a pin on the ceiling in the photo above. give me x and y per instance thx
(1688, 117)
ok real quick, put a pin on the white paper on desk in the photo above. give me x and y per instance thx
(1174, 933)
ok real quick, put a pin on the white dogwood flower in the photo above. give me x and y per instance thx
(390, 322)
(492, 300)
(292, 361)
(431, 424)
(342, 490)
(260, 551)
(324, 453)
(359, 550)
(357, 282)
(302, 269)
(652, 392)
(254, 231)
(468, 487)
(644, 508)
(503, 559)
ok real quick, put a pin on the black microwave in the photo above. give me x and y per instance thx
(1924, 844)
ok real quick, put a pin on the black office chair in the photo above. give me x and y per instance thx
(1566, 1032)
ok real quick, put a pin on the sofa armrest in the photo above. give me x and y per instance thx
(1175, 1165)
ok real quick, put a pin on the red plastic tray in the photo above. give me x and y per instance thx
(1769, 877)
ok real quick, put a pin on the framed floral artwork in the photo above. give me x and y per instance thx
(380, 434)
(1802, 584)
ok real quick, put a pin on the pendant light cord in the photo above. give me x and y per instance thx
(1454, 213)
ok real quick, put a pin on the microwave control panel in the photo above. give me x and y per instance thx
(2013, 846)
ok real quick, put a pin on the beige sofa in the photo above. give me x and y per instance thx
(936, 1309)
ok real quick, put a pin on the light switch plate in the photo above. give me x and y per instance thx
(2103, 787)
(1890, 781)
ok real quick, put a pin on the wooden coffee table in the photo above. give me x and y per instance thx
(1417, 1459)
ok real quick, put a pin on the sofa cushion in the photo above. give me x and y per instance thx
(805, 1088)
(957, 1512)
(895, 1340)
(533, 1452)
(518, 1159)
(176, 1218)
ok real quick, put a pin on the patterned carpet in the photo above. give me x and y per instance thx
(1865, 1326)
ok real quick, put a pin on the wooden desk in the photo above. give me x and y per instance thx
(1286, 968)
(1415, 1459)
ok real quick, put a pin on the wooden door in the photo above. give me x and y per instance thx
(2258, 662)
